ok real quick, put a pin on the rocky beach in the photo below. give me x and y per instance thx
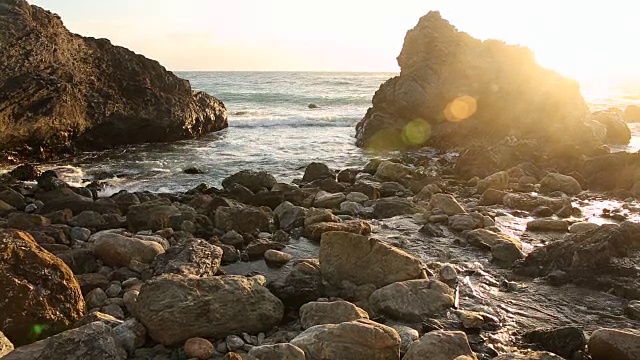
(491, 220)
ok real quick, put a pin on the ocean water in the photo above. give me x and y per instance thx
(271, 128)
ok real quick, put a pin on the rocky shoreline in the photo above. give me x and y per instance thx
(401, 259)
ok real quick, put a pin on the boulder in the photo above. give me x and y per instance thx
(564, 341)
(283, 351)
(529, 202)
(328, 201)
(355, 340)
(257, 248)
(454, 90)
(392, 171)
(80, 261)
(92, 341)
(288, 216)
(462, 222)
(616, 344)
(495, 181)
(13, 198)
(390, 207)
(632, 113)
(317, 171)
(25, 172)
(586, 256)
(356, 258)
(581, 227)
(119, 250)
(618, 132)
(252, 180)
(40, 296)
(301, 285)
(412, 300)
(558, 182)
(22, 221)
(88, 219)
(315, 231)
(334, 312)
(88, 94)
(152, 215)
(440, 345)
(194, 258)
(242, 219)
(216, 307)
(548, 224)
(447, 203)
(275, 257)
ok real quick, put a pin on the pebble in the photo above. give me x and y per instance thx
(199, 348)
(448, 273)
(277, 257)
(80, 234)
(30, 208)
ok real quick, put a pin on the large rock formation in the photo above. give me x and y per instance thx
(454, 90)
(61, 92)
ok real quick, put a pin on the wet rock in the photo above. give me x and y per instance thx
(194, 258)
(92, 341)
(558, 182)
(548, 225)
(447, 203)
(301, 285)
(96, 298)
(219, 306)
(357, 197)
(193, 171)
(390, 207)
(356, 340)
(412, 300)
(30, 315)
(6, 346)
(346, 256)
(80, 234)
(77, 204)
(277, 257)
(315, 231)
(124, 200)
(440, 345)
(119, 250)
(199, 348)
(585, 255)
(88, 219)
(229, 253)
(252, 180)
(152, 215)
(335, 312)
(242, 220)
(633, 309)
(257, 248)
(328, 201)
(506, 253)
(232, 238)
(529, 202)
(351, 207)
(496, 181)
(282, 351)
(348, 176)
(317, 171)
(564, 341)
(581, 227)
(407, 337)
(605, 344)
(288, 216)
(462, 222)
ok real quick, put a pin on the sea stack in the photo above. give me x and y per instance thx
(455, 91)
(61, 92)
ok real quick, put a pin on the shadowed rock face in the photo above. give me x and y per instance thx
(61, 92)
(454, 90)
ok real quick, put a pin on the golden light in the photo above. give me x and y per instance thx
(416, 132)
(461, 108)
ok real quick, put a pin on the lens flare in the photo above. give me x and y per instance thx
(416, 132)
(461, 108)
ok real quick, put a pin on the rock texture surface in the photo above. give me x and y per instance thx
(453, 88)
(206, 307)
(40, 296)
(60, 92)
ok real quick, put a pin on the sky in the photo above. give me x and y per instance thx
(586, 40)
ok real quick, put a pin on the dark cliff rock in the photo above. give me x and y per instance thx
(454, 91)
(61, 92)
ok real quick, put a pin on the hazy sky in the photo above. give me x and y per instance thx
(578, 38)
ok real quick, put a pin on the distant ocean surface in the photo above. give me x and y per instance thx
(272, 128)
